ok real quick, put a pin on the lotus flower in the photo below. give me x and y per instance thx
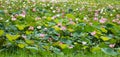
(13, 19)
(34, 9)
(84, 43)
(93, 33)
(112, 45)
(63, 28)
(118, 22)
(103, 20)
(31, 28)
(23, 14)
(42, 35)
(95, 18)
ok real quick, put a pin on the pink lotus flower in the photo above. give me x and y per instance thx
(37, 18)
(70, 47)
(110, 6)
(112, 45)
(31, 28)
(93, 33)
(61, 43)
(63, 14)
(13, 19)
(23, 14)
(24, 36)
(63, 28)
(118, 22)
(103, 20)
(54, 17)
(16, 15)
(71, 22)
(58, 10)
(97, 11)
(114, 20)
(90, 23)
(96, 14)
(34, 9)
(85, 19)
(58, 35)
(42, 35)
(118, 15)
(50, 39)
(95, 18)
(59, 24)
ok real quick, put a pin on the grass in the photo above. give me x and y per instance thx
(24, 53)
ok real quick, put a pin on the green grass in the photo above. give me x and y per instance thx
(24, 53)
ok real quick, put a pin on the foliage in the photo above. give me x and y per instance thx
(56, 26)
